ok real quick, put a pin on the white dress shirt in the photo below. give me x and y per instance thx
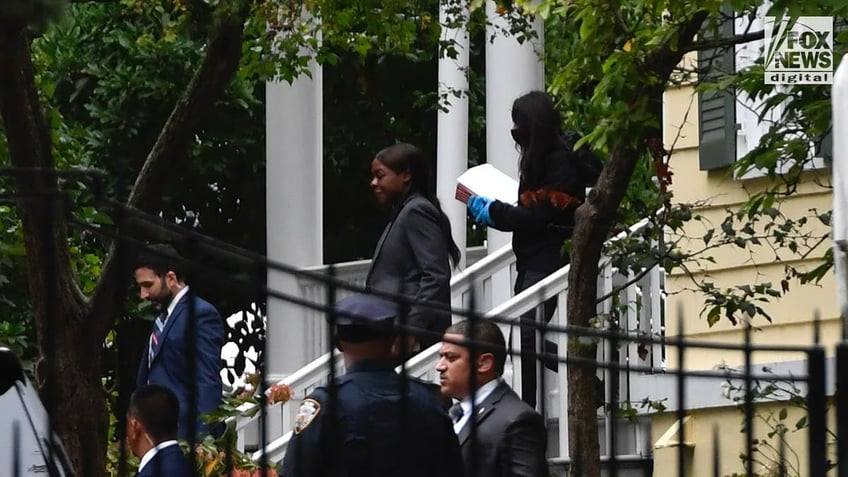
(175, 300)
(149, 455)
(171, 306)
(169, 310)
(480, 396)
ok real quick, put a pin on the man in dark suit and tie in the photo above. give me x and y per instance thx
(152, 433)
(508, 437)
(192, 373)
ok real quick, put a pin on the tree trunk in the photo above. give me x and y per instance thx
(78, 401)
(593, 221)
(70, 328)
(68, 372)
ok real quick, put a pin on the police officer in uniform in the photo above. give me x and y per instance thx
(373, 422)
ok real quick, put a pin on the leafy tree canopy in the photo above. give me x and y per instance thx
(165, 98)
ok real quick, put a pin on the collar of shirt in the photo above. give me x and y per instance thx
(371, 365)
(175, 300)
(482, 393)
(149, 455)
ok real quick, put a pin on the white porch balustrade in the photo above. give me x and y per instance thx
(635, 303)
(317, 338)
(477, 277)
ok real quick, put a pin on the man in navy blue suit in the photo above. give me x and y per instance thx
(152, 433)
(168, 359)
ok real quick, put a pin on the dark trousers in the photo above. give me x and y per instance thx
(529, 330)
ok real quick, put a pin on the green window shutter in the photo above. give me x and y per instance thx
(717, 110)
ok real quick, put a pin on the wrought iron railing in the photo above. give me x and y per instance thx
(642, 317)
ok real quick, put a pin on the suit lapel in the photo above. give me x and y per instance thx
(157, 465)
(177, 314)
(385, 234)
(382, 240)
(482, 412)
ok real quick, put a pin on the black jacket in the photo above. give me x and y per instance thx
(544, 216)
(510, 438)
(377, 426)
(412, 258)
(168, 462)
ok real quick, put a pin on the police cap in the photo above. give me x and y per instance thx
(364, 318)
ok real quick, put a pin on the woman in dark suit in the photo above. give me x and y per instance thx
(550, 188)
(414, 253)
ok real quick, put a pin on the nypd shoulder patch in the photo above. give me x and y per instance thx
(307, 412)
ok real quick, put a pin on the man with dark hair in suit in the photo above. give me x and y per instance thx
(371, 422)
(169, 359)
(152, 433)
(508, 437)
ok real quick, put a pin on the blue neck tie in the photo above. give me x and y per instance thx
(158, 327)
(456, 412)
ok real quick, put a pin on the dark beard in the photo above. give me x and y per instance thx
(160, 304)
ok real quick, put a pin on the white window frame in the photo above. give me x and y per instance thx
(749, 128)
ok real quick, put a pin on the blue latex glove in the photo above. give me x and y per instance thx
(479, 208)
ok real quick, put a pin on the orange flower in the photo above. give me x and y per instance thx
(279, 393)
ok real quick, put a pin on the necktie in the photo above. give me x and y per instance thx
(158, 327)
(456, 412)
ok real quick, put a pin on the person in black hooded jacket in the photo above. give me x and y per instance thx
(552, 183)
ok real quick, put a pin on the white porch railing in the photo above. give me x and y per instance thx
(641, 314)
(478, 276)
(355, 273)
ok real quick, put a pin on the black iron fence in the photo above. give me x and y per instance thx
(777, 402)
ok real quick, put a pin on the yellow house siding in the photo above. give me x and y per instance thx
(728, 424)
(792, 314)
(798, 305)
(681, 118)
(693, 185)
(730, 256)
(718, 191)
(779, 334)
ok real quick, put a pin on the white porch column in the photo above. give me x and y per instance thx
(294, 168)
(512, 69)
(452, 139)
(840, 187)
